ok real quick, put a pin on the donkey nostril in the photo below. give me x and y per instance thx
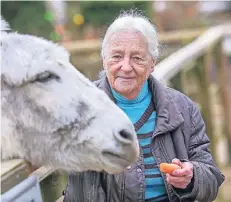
(126, 135)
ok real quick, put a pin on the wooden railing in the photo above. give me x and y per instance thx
(186, 70)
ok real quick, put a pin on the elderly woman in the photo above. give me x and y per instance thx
(168, 125)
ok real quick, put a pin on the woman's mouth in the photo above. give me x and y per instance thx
(126, 78)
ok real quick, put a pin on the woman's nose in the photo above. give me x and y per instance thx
(126, 66)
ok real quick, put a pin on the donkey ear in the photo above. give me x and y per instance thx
(4, 25)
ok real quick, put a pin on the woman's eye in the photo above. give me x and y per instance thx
(46, 76)
(137, 58)
(116, 57)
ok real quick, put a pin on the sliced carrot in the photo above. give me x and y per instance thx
(168, 167)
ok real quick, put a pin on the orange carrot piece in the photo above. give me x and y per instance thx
(168, 167)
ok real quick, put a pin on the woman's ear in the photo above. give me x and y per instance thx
(104, 63)
(153, 65)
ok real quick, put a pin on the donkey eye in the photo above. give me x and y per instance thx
(46, 76)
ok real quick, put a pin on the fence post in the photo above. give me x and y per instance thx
(202, 70)
(223, 80)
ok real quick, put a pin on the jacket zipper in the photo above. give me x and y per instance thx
(158, 162)
(169, 161)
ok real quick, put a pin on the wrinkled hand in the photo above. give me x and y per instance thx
(182, 177)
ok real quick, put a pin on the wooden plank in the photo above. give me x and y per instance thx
(42, 172)
(53, 186)
(81, 46)
(180, 35)
(225, 89)
(203, 78)
(8, 166)
(12, 173)
(52, 183)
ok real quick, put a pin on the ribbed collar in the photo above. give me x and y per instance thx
(122, 100)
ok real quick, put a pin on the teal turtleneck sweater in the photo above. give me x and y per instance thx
(154, 184)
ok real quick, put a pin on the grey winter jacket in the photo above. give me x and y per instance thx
(179, 133)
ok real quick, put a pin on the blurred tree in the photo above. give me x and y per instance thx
(27, 17)
(32, 17)
(99, 13)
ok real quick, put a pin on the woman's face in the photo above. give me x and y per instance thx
(127, 62)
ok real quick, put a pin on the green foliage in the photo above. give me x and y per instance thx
(98, 13)
(27, 17)
(31, 17)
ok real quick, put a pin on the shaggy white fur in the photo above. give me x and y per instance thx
(54, 116)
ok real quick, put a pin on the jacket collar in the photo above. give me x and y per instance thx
(168, 114)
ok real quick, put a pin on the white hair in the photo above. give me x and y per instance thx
(132, 20)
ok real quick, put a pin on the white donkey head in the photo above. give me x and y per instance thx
(53, 116)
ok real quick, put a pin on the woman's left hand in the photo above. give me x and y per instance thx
(182, 177)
